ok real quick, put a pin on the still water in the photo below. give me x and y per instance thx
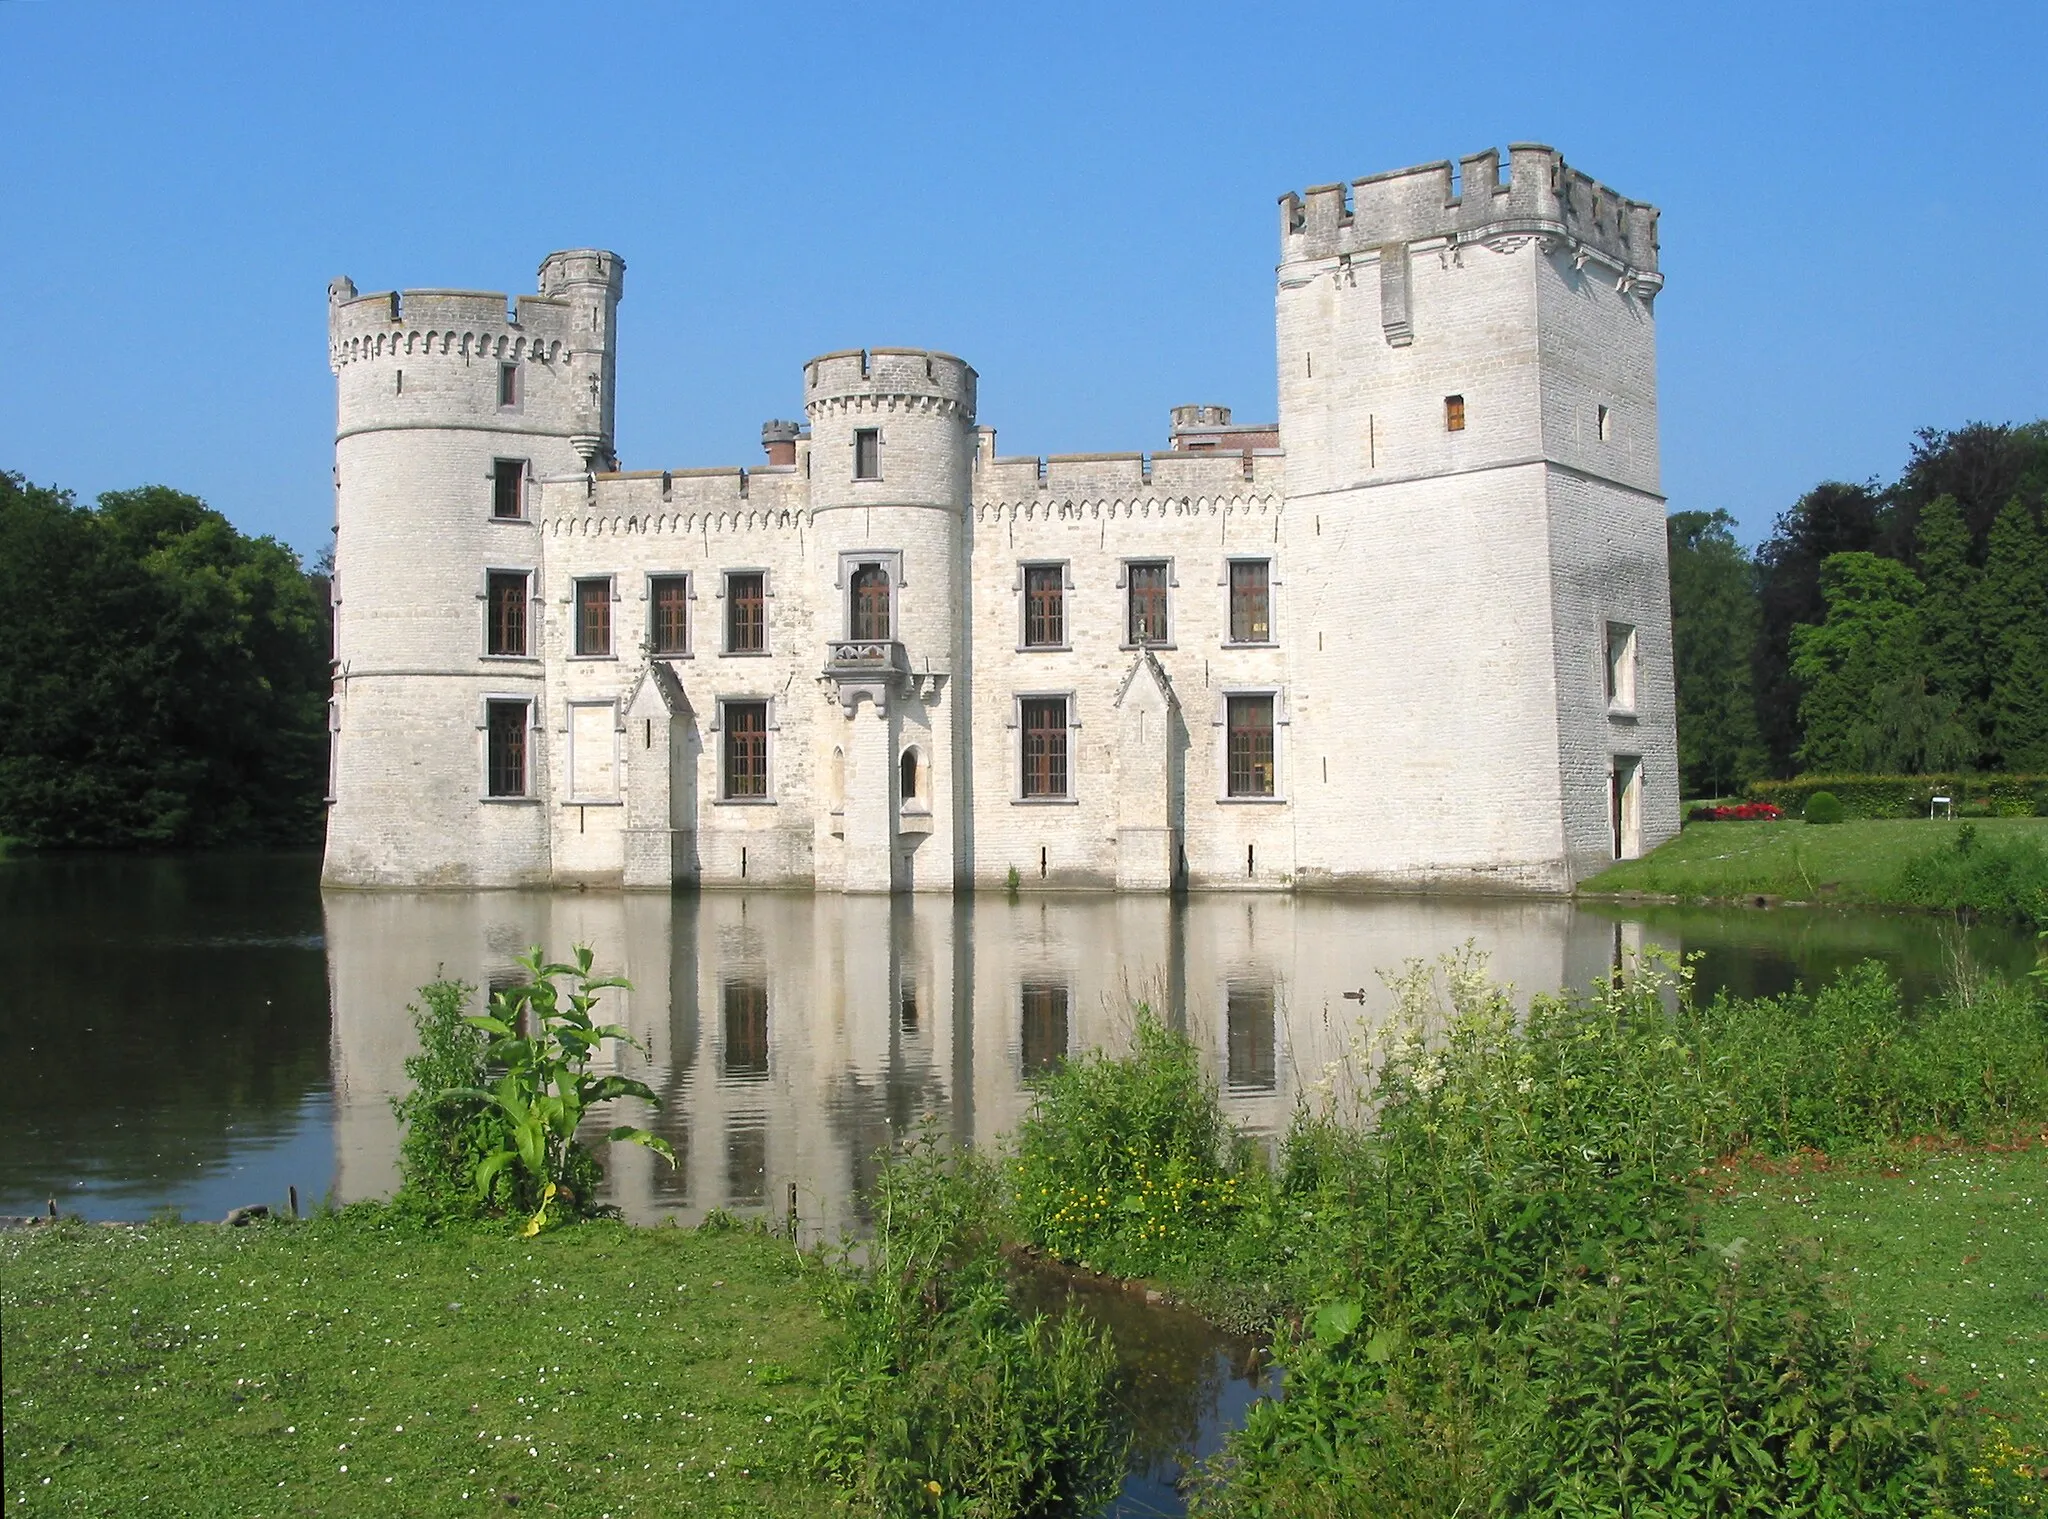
(204, 1032)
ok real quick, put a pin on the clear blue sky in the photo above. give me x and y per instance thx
(1078, 199)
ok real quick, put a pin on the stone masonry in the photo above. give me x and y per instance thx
(1413, 635)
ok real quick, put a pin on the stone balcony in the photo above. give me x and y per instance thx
(876, 668)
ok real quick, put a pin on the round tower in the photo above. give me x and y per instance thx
(891, 464)
(450, 405)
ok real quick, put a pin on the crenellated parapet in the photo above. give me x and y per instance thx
(1539, 196)
(469, 324)
(877, 381)
(1131, 484)
(719, 501)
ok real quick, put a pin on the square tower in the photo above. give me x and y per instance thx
(1467, 367)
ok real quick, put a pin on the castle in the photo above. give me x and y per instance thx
(1415, 634)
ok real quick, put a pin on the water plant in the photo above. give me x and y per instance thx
(537, 1054)
(940, 1397)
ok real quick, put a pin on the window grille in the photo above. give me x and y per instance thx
(1045, 606)
(746, 613)
(1147, 603)
(1045, 746)
(505, 612)
(1250, 726)
(1250, 601)
(746, 750)
(671, 595)
(594, 617)
(746, 1029)
(505, 725)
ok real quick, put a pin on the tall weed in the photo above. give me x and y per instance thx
(445, 1140)
(941, 1398)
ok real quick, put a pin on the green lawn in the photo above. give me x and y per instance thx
(338, 1367)
(1857, 861)
(1946, 1255)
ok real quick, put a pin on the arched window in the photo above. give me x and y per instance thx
(871, 602)
(909, 775)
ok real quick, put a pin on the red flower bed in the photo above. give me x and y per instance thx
(1747, 812)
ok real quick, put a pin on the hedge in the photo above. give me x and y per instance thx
(1907, 796)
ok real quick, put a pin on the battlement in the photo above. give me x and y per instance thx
(859, 375)
(471, 323)
(1539, 195)
(1131, 478)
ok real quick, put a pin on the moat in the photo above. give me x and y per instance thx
(204, 1032)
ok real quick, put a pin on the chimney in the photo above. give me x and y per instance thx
(778, 439)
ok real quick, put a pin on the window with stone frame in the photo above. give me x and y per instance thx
(867, 453)
(1621, 666)
(505, 612)
(1249, 1056)
(594, 617)
(669, 614)
(1251, 601)
(1043, 726)
(746, 612)
(1045, 606)
(1146, 582)
(1248, 722)
(870, 591)
(746, 750)
(506, 724)
(508, 384)
(746, 1029)
(1454, 413)
(508, 489)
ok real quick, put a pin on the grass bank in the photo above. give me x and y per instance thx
(1995, 865)
(346, 1367)
(1501, 1280)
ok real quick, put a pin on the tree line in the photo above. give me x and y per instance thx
(1896, 628)
(163, 677)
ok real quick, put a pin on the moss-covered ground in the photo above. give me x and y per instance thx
(345, 1367)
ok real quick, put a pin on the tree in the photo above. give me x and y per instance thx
(1832, 518)
(2012, 611)
(162, 677)
(1980, 467)
(1714, 622)
(1953, 649)
(1867, 703)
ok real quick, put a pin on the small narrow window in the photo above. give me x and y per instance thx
(1043, 1037)
(505, 612)
(1625, 797)
(1250, 759)
(508, 489)
(505, 725)
(508, 384)
(1045, 746)
(1605, 424)
(1147, 612)
(594, 617)
(670, 595)
(1621, 667)
(871, 602)
(867, 453)
(1045, 606)
(908, 767)
(746, 750)
(1454, 413)
(746, 613)
(1250, 601)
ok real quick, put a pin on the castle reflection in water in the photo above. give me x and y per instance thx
(792, 1037)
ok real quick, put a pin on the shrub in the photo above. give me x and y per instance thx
(941, 1399)
(1822, 807)
(1742, 812)
(2008, 880)
(445, 1139)
(1908, 796)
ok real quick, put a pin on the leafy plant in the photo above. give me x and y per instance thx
(540, 1045)
(445, 1138)
(941, 1398)
(1823, 807)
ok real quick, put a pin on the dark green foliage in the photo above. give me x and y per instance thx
(1952, 646)
(445, 1139)
(2013, 616)
(163, 679)
(1823, 807)
(1714, 625)
(941, 1398)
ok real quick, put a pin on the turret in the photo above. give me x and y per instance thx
(891, 461)
(450, 403)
